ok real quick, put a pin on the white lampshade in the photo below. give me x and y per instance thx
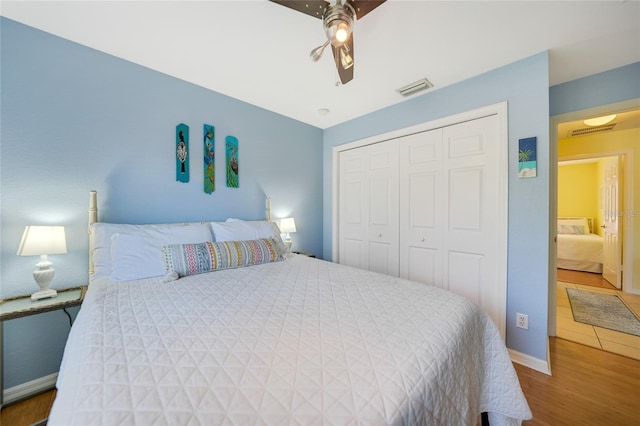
(38, 240)
(42, 241)
(287, 225)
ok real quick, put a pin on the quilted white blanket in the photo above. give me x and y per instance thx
(296, 342)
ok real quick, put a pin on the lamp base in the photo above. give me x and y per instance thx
(43, 294)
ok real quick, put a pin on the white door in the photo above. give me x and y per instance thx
(449, 212)
(421, 209)
(353, 214)
(472, 200)
(368, 208)
(611, 270)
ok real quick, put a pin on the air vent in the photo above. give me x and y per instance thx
(414, 87)
(592, 130)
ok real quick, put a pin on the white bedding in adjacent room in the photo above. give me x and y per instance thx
(301, 341)
(580, 252)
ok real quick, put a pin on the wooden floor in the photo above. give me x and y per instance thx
(29, 411)
(588, 387)
(585, 278)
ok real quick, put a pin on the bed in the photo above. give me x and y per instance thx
(579, 249)
(285, 340)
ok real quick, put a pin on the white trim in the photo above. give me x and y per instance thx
(530, 362)
(28, 389)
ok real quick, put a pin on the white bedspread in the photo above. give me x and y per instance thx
(296, 342)
(584, 248)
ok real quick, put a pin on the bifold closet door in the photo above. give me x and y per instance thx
(368, 208)
(449, 210)
(421, 209)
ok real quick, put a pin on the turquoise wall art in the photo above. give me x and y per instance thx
(209, 159)
(182, 153)
(527, 158)
(231, 144)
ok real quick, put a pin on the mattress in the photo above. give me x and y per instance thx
(580, 252)
(301, 341)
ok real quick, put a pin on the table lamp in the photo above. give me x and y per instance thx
(287, 226)
(41, 241)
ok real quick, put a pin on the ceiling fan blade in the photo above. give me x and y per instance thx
(313, 8)
(362, 7)
(346, 75)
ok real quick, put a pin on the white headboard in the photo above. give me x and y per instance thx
(589, 221)
(93, 218)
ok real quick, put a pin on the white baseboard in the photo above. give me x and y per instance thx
(531, 362)
(28, 389)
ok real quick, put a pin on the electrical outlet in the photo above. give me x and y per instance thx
(522, 321)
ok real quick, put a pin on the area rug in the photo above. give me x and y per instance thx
(603, 310)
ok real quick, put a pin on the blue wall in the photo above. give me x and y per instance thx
(525, 85)
(75, 119)
(617, 85)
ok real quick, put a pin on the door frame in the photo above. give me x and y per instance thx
(627, 197)
(553, 199)
(501, 111)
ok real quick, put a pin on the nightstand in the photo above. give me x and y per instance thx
(303, 254)
(22, 306)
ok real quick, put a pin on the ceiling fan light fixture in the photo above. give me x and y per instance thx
(337, 22)
(346, 60)
(316, 53)
(599, 121)
(342, 32)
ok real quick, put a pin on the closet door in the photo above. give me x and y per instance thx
(471, 199)
(449, 210)
(368, 211)
(421, 211)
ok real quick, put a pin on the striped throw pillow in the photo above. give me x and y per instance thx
(191, 259)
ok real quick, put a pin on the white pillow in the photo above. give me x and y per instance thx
(241, 230)
(162, 234)
(580, 222)
(244, 230)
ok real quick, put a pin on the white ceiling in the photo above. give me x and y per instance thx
(258, 51)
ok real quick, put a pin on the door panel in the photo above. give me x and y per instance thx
(381, 257)
(466, 275)
(424, 266)
(353, 215)
(421, 207)
(350, 252)
(612, 251)
(368, 210)
(465, 199)
(472, 169)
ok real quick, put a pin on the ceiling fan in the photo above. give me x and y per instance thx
(338, 17)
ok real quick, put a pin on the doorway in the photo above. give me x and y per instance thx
(590, 236)
(621, 138)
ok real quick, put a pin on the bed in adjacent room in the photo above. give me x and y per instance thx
(239, 332)
(578, 248)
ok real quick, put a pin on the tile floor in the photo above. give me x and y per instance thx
(602, 338)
